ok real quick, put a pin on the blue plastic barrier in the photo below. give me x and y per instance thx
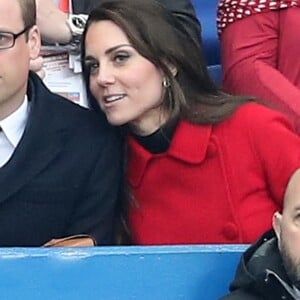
(175, 272)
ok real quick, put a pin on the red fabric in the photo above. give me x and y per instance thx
(230, 11)
(260, 57)
(215, 184)
(64, 5)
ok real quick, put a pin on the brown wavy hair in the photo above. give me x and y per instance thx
(161, 38)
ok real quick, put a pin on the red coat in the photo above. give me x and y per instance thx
(216, 183)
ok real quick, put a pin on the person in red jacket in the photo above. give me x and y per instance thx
(260, 40)
(202, 166)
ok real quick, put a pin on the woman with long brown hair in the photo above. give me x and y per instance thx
(202, 166)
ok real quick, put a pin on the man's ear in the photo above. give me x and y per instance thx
(34, 42)
(276, 222)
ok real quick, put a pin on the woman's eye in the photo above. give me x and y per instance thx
(120, 58)
(92, 67)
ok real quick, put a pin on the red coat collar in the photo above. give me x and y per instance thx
(189, 144)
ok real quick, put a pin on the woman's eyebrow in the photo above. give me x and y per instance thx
(108, 51)
(89, 58)
(116, 47)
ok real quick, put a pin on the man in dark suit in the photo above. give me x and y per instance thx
(60, 165)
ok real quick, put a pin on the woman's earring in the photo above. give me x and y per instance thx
(165, 82)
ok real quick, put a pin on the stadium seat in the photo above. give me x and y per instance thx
(206, 13)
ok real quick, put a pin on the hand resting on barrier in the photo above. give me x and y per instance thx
(78, 240)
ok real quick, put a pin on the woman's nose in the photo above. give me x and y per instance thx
(105, 76)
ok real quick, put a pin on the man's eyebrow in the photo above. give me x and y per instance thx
(5, 30)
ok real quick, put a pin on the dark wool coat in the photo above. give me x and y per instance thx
(64, 175)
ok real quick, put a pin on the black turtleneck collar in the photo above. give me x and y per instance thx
(158, 141)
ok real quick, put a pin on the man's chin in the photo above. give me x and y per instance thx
(291, 265)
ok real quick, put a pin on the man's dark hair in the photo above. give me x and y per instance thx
(28, 10)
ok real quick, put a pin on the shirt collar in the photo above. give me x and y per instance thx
(13, 126)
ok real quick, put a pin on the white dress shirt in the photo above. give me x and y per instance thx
(13, 128)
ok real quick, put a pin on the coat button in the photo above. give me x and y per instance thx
(230, 231)
(211, 150)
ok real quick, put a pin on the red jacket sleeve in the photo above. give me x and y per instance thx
(275, 144)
